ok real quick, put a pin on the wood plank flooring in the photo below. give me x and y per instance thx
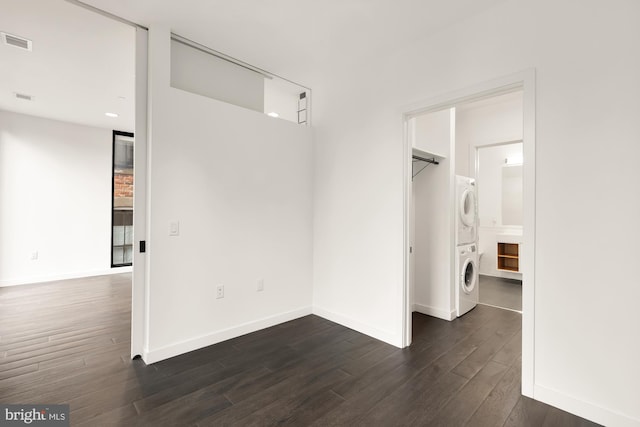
(68, 342)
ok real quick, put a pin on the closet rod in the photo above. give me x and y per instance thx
(422, 159)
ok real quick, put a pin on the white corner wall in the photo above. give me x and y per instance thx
(239, 183)
(587, 200)
(433, 237)
(55, 199)
(492, 121)
(432, 132)
(432, 246)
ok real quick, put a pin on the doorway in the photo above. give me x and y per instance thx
(58, 126)
(525, 83)
(498, 174)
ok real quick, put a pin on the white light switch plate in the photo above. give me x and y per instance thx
(174, 228)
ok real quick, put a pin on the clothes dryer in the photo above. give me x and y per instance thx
(466, 211)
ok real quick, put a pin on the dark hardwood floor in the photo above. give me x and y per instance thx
(68, 342)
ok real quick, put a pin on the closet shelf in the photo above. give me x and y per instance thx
(427, 154)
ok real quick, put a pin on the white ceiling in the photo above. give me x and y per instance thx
(80, 66)
(82, 62)
(298, 39)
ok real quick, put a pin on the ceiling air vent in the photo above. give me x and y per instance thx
(16, 41)
(24, 96)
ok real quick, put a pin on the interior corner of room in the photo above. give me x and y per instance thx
(174, 163)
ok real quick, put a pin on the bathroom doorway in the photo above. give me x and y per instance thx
(498, 175)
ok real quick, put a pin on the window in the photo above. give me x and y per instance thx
(122, 252)
(198, 69)
(123, 154)
(122, 200)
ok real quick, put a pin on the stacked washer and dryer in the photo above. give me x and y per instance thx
(466, 262)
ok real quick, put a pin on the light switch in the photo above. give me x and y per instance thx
(174, 228)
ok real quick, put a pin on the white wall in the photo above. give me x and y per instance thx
(587, 132)
(239, 183)
(204, 74)
(432, 132)
(432, 236)
(55, 199)
(490, 121)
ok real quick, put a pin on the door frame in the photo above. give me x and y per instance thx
(525, 81)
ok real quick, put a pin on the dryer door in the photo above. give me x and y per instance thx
(468, 276)
(468, 208)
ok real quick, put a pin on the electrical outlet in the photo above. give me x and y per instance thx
(34, 256)
(220, 291)
(260, 285)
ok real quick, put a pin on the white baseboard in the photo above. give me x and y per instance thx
(583, 409)
(66, 276)
(165, 352)
(358, 326)
(435, 312)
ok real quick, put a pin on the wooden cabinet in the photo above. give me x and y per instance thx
(509, 257)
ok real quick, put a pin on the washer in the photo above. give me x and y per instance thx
(466, 278)
(466, 211)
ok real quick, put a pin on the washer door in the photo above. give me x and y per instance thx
(468, 208)
(468, 276)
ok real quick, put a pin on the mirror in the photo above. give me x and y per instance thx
(512, 194)
(499, 185)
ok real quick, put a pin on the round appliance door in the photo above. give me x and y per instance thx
(468, 208)
(468, 276)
